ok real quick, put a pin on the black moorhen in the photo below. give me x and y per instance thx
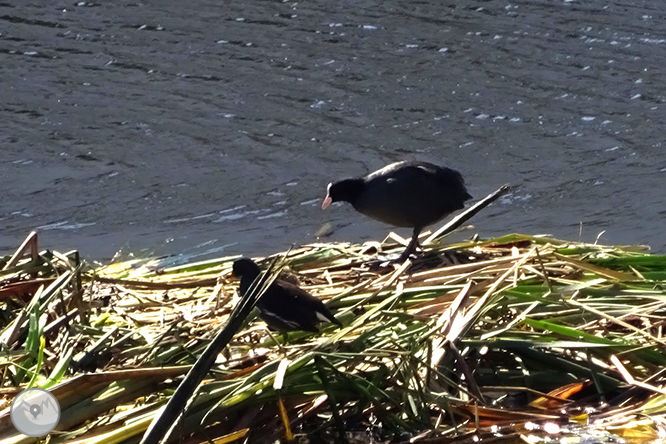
(404, 194)
(283, 307)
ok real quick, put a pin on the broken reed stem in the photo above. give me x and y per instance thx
(467, 214)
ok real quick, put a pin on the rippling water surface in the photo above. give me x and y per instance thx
(214, 126)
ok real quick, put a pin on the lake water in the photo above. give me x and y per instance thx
(213, 127)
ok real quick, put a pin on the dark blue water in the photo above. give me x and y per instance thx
(213, 127)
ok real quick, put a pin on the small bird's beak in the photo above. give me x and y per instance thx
(326, 202)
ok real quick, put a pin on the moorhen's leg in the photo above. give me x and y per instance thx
(412, 245)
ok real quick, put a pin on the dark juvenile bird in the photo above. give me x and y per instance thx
(283, 307)
(403, 194)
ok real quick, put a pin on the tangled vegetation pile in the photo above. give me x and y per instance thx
(512, 338)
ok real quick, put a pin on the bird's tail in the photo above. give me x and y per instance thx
(329, 316)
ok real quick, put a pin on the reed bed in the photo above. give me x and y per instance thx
(513, 339)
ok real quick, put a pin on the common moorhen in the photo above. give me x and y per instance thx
(403, 194)
(284, 306)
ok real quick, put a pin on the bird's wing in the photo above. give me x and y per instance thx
(307, 305)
